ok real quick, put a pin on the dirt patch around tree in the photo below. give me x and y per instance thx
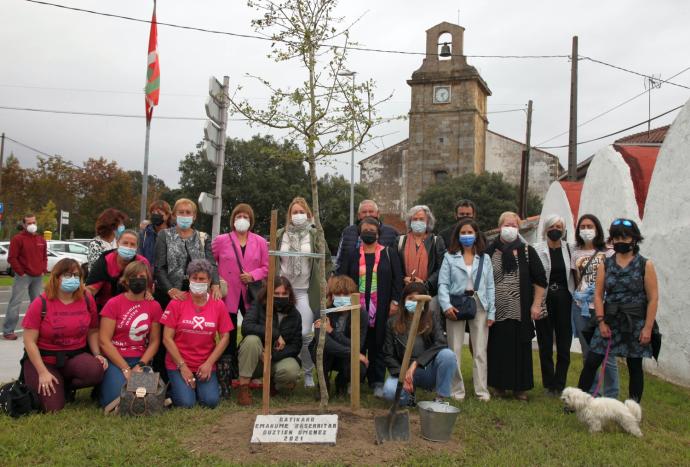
(229, 440)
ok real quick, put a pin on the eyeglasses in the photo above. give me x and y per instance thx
(625, 222)
(70, 275)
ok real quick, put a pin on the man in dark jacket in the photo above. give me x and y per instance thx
(349, 239)
(286, 345)
(28, 258)
(464, 208)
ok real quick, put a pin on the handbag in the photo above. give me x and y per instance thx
(466, 303)
(143, 394)
(16, 399)
(254, 287)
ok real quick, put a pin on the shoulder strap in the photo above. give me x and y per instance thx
(237, 255)
(44, 307)
(584, 269)
(478, 278)
(401, 241)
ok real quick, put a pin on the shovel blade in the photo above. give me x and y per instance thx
(393, 427)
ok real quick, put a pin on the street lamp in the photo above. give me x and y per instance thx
(352, 154)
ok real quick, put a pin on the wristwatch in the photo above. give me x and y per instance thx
(141, 364)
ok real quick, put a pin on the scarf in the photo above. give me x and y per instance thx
(416, 259)
(373, 294)
(508, 258)
(295, 237)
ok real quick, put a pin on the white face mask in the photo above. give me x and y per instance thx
(588, 234)
(509, 234)
(31, 228)
(241, 224)
(299, 220)
(198, 288)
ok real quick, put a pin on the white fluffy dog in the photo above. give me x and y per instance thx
(596, 412)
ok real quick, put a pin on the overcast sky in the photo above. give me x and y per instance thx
(65, 60)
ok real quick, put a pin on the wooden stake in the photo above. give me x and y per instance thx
(354, 352)
(268, 335)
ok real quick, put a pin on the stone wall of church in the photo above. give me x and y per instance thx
(382, 175)
(504, 155)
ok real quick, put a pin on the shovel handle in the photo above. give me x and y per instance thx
(411, 336)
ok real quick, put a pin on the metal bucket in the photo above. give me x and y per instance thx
(437, 420)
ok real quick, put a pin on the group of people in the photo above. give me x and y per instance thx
(173, 285)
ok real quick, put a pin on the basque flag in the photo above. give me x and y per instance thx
(153, 71)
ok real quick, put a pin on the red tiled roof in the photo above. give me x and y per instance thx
(653, 136)
(641, 160)
(573, 190)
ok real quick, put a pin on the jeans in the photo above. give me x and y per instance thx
(610, 387)
(207, 393)
(113, 380)
(594, 361)
(34, 285)
(436, 376)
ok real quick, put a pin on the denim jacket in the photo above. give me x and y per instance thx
(453, 277)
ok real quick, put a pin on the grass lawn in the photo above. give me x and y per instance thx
(501, 432)
(7, 281)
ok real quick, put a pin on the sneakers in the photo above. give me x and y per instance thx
(378, 390)
(10, 336)
(244, 395)
(308, 380)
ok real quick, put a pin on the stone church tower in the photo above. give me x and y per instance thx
(447, 117)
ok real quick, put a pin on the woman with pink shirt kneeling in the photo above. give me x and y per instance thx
(189, 335)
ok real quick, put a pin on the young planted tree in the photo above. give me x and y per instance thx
(326, 113)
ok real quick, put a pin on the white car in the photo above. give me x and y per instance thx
(54, 257)
(4, 264)
(72, 249)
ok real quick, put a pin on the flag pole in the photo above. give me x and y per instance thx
(145, 175)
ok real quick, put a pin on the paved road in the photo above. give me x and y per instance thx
(10, 351)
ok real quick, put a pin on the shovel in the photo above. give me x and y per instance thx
(396, 425)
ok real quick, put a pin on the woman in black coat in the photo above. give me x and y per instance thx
(376, 270)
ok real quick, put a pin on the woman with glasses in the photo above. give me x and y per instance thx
(554, 253)
(457, 279)
(625, 303)
(61, 338)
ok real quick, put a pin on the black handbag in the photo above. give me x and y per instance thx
(16, 399)
(466, 303)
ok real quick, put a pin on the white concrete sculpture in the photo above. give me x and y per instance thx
(667, 244)
(556, 202)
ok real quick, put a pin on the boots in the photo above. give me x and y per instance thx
(244, 395)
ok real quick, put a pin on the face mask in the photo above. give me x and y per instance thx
(280, 303)
(368, 237)
(119, 230)
(299, 220)
(69, 285)
(509, 234)
(467, 240)
(185, 222)
(126, 253)
(137, 285)
(342, 301)
(418, 226)
(198, 288)
(31, 228)
(554, 235)
(410, 306)
(588, 234)
(623, 248)
(241, 224)
(156, 220)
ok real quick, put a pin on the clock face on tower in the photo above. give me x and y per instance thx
(441, 94)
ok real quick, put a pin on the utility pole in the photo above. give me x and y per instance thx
(2, 158)
(524, 173)
(572, 138)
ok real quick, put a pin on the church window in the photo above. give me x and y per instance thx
(440, 176)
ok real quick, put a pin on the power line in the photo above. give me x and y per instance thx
(271, 39)
(634, 72)
(27, 146)
(615, 132)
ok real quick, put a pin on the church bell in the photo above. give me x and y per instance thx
(445, 50)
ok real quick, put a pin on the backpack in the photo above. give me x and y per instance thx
(16, 399)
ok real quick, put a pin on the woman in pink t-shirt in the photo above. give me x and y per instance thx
(129, 332)
(189, 335)
(61, 338)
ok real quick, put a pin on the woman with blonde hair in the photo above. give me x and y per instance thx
(299, 236)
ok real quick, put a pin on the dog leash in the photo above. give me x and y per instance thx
(603, 369)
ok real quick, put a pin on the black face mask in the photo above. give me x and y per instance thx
(281, 303)
(157, 219)
(137, 285)
(368, 237)
(623, 248)
(554, 235)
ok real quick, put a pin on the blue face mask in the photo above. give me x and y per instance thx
(342, 301)
(467, 240)
(185, 222)
(410, 306)
(69, 285)
(126, 253)
(119, 230)
(418, 226)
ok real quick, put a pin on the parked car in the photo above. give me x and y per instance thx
(4, 264)
(54, 257)
(81, 241)
(71, 248)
